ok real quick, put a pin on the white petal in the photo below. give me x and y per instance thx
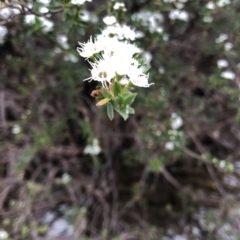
(141, 81)
(124, 81)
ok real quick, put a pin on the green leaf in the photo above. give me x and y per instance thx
(110, 112)
(130, 110)
(116, 89)
(64, 15)
(105, 93)
(127, 98)
(123, 113)
(130, 99)
(115, 103)
(54, 8)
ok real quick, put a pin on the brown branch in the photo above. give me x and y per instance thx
(209, 167)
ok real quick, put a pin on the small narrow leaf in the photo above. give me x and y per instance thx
(103, 101)
(105, 93)
(116, 89)
(110, 112)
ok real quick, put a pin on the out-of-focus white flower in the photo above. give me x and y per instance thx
(165, 37)
(3, 234)
(222, 63)
(16, 129)
(170, 145)
(208, 19)
(179, 14)
(222, 3)
(179, 5)
(119, 5)
(71, 57)
(109, 20)
(176, 121)
(228, 75)
(222, 37)
(147, 57)
(152, 20)
(44, 1)
(210, 5)
(140, 80)
(5, 12)
(79, 2)
(43, 10)
(63, 41)
(228, 46)
(88, 16)
(161, 70)
(60, 227)
(66, 178)
(3, 32)
(120, 31)
(93, 149)
(29, 19)
(47, 25)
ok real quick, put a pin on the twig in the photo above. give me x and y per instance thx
(2, 109)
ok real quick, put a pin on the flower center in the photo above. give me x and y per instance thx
(102, 74)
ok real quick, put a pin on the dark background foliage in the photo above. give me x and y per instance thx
(153, 179)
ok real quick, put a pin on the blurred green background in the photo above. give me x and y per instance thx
(171, 171)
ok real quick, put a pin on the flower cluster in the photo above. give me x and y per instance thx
(115, 65)
(113, 58)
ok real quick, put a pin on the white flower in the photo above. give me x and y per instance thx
(88, 49)
(107, 44)
(170, 145)
(222, 3)
(222, 37)
(228, 75)
(63, 41)
(140, 81)
(80, 2)
(93, 149)
(121, 64)
(109, 20)
(136, 69)
(177, 121)
(47, 25)
(3, 32)
(228, 46)
(210, 5)
(114, 58)
(16, 129)
(177, 14)
(102, 71)
(222, 63)
(119, 5)
(3, 234)
(120, 31)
